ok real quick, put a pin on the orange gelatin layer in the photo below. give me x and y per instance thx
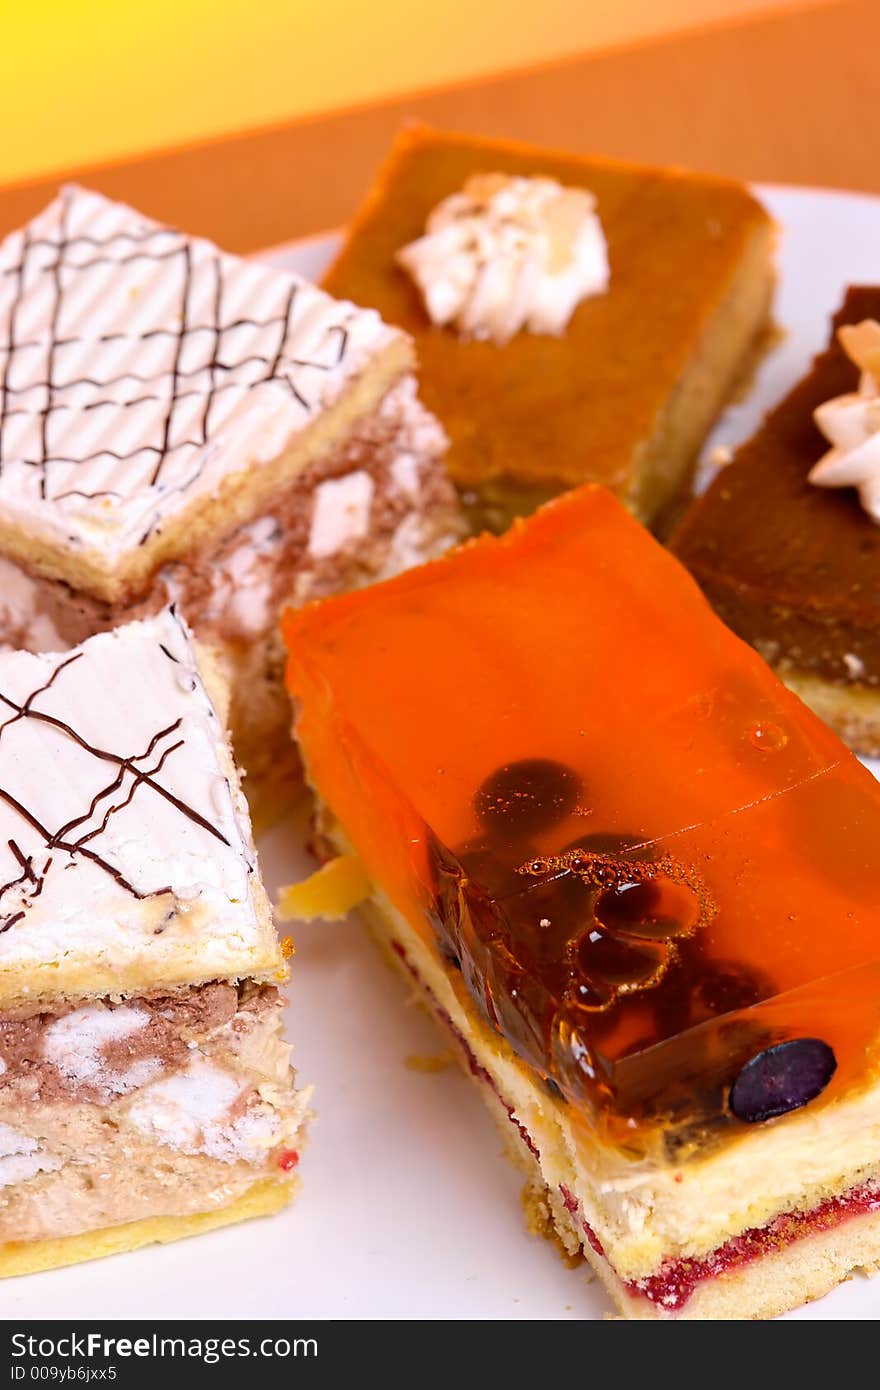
(650, 861)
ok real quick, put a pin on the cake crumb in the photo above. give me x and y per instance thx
(429, 1062)
(720, 456)
(855, 667)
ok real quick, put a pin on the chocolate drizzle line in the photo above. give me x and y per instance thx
(253, 358)
(120, 777)
(126, 260)
(125, 766)
(175, 366)
(212, 364)
(138, 778)
(27, 875)
(23, 710)
(121, 762)
(149, 333)
(53, 336)
(81, 492)
(276, 360)
(101, 242)
(118, 249)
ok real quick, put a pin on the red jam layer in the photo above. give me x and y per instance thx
(677, 1280)
(570, 1204)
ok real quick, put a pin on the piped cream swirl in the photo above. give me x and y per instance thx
(506, 254)
(851, 423)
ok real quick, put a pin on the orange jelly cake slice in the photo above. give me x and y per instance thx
(636, 881)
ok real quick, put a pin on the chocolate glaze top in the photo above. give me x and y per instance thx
(786, 562)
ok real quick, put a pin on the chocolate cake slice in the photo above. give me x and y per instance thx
(792, 567)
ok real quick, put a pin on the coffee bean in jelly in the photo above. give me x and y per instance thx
(527, 797)
(782, 1078)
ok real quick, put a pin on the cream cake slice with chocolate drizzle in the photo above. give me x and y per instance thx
(178, 424)
(140, 1018)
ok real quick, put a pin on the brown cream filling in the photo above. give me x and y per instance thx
(114, 1111)
(173, 1024)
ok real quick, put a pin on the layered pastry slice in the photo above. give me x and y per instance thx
(145, 1089)
(786, 541)
(576, 319)
(177, 424)
(636, 881)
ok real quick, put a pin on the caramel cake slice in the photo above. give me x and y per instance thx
(786, 542)
(145, 1089)
(636, 881)
(576, 319)
(177, 424)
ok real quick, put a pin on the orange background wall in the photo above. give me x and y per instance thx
(83, 81)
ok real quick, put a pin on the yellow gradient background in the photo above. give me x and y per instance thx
(85, 81)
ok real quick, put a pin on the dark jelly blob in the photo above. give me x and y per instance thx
(488, 867)
(698, 988)
(783, 1078)
(624, 965)
(655, 908)
(526, 797)
(724, 988)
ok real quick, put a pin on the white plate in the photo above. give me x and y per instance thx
(408, 1208)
